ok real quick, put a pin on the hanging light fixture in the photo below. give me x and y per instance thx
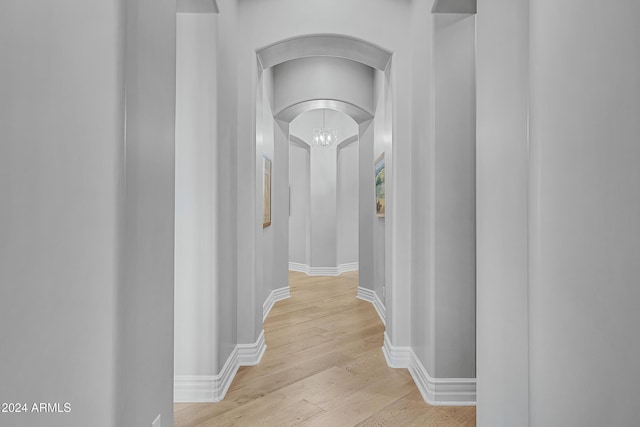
(324, 137)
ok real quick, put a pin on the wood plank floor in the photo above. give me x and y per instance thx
(323, 367)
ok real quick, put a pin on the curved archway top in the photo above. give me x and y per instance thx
(356, 113)
(324, 45)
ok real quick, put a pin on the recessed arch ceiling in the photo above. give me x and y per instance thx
(356, 113)
(324, 45)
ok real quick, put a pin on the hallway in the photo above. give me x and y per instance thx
(323, 367)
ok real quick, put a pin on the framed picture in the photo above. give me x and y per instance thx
(379, 167)
(266, 193)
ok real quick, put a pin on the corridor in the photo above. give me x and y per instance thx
(323, 367)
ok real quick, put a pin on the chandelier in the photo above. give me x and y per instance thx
(324, 137)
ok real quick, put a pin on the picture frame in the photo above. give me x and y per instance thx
(266, 193)
(379, 168)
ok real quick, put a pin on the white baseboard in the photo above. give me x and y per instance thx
(250, 354)
(350, 266)
(212, 388)
(435, 391)
(370, 296)
(301, 268)
(397, 357)
(275, 296)
(323, 271)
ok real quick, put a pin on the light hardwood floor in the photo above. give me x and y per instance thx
(323, 367)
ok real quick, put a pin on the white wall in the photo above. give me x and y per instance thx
(299, 222)
(331, 195)
(272, 140)
(443, 247)
(323, 183)
(423, 288)
(226, 165)
(557, 213)
(366, 207)
(196, 308)
(145, 298)
(87, 218)
(454, 232)
(347, 204)
(382, 143)
(584, 211)
(61, 163)
(502, 212)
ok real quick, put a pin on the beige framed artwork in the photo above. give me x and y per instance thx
(266, 193)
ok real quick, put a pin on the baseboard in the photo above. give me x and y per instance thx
(372, 297)
(301, 268)
(435, 391)
(213, 388)
(350, 266)
(275, 296)
(397, 357)
(323, 271)
(250, 354)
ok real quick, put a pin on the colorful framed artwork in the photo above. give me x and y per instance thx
(380, 203)
(266, 193)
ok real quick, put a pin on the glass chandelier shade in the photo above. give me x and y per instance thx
(324, 137)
